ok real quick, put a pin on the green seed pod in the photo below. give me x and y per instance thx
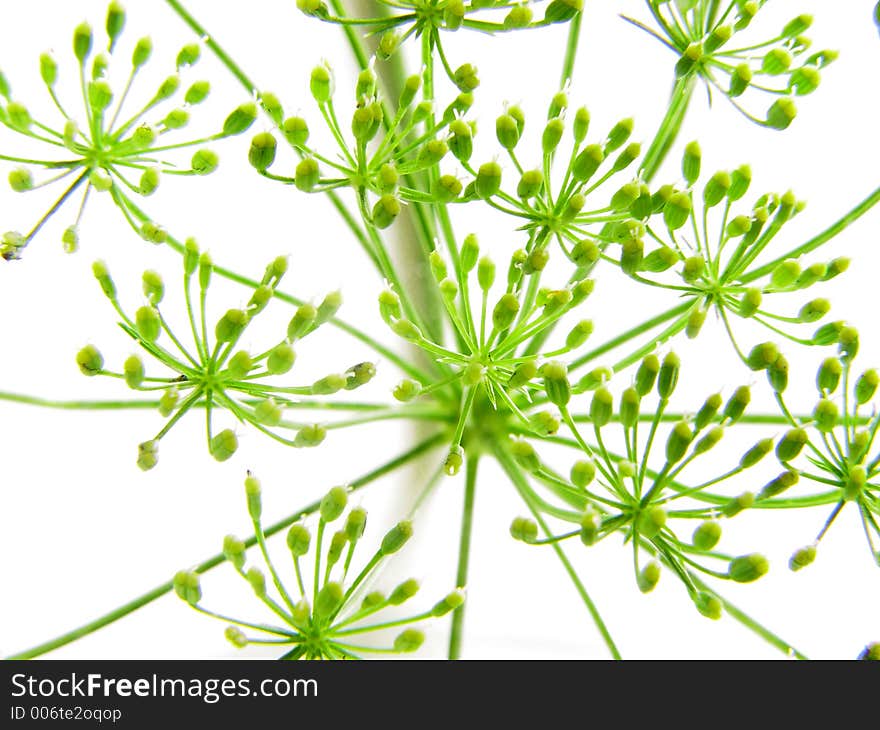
(756, 453)
(253, 492)
(804, 80)
(519, 16)
(268, 412)
(333, 504)
(307, 174)
(301, 322)
(631, 255)
(828, 376)
(388, 43)
(396, 537)
(169, 87)
(648, 577)
(259, 299)
(329, 600)
(197, 93)
(802, 558)
(176, 119)
(536, 261)
(689, 59)
(522, 374)
(750, 302)
(133, 371)
(629, 155)
(261, 154)
(236, 637)
(328, 307)
(777, 374)
(231, 325)
(716, 189)
(591, 523)
(328, 385)
(776, 61)
(836, 267)
(186, 586)
(690, 162)
(403, 592)
(507, 131)
(707, 535)
(410, 88)
(618, 135)
(530, 184)
(559, 11)
(791, 444)
(99, 269)
(785, 274)
(748, 568)
(388, 177)
(385, 211)
(828, 334)
(82, 42)
(710, 440)
(625, 196)
(629, 407)
(740, 79)
(148, 323)
(601, 407)
(866, 386)
(544, 423)
(762, 356)
(579, 334)
(204, 162)
(594, 378)
(48, 69)
(298, 540)
(812, 274)
(239, 365)
(224, 445)
(556, 383)
(650, 521)
(781, 113)
(585, 253)
(465, 78)
(580, 291)
(739, 226)
(295, 131)
(582, 473)
(359, 375)
(488, 180)
(321, 84)
(408, 641)
(449, 603)
(717, 38)
(525, 455)
(168, 402)
(707, 411)
(460, 140)
(234, 551)
(677, 210)
(855, 483)
(281, 359)
(148, 455)
(740, 179)
(826, 415)
(470, 252)
(406, 329)
(848, 343)
(102, 182)
(365, 122)
(779, 484)
(708, 605)
(447, 188)
(355, 524)
(587, 162)
(485, 273)
(505, 312)
(19, 116)
(668, 376)
(797, 26)
(240, 119)
(552, 135)
(693, 269)
(677, 443)
(737, 403)
(149, 181)
(70, 240)
(647, 374)
(90, 360)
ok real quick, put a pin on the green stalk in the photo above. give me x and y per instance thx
(464, 550)
(669, 127)
(574, 34)
(522, 487)
(218, 559)
(817, 240)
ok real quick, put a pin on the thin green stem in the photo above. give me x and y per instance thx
(464, 551)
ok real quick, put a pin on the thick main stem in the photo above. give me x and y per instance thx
(215, 560)
(464, 552)
(669, 127)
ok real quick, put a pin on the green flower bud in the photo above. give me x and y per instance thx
(530, 184)
(465, 78)
(647, 374)
(189, 55)
(197, 93)
(779, 484)
(836, 267)
(750, 302)
(406, 329)
(580, 291)
(781, 113)
(169, 87)
(826, 415)
(756, 453)
(629, 407)
(848, 343)
(556, 383)
(519, 17)
(855, 483)
(388, 44)
(296, 131)
(358, 375)
(231, 325)
(268, 412)
(708, 605)
(453, 462)
(396, 538)
(525, 455)
(737, 403)
(321, 84)
(522, 374)
(828, 376)
(618, 135)
(408, 641)
(447, 188)
(717, 38)
(650, 521)
(601, 407)
(579, 334)
(544, 423)
(102, 182)
(82, 42)
(449, 603)
(505, 312)
(740, 78)
(307, 174)
(149, 181)
(328, 385)
(707, 535)
(804, 80)
(388, 177)
(133, 371)
(689, 59)
(559, 11)
(582, 473)
(777, 374)
(748, 568)
(355, 524)
(507, 131)
(693, 269)
(828, 334)
(690, 162)
(90, 360)
(485, 273)
(762, 356)
(168, 402)
(631, 255)
(48, 69)
(385, 211)
(298, 540)
(536, 260)
(677, 210)
(677, 443)
(625, 196)
(224, 445)
(186, 586)
(776, 61)
(253, 493)
(19, 116)
(410, 88)
(791, 444)
(709, 441)
(70, 239)
(236, 637)
(148, 455)
(802, 558)
(629, 155)
(585, 253)
(204, 162)
(365, 122)
(488, 180)
(234, 551)
(470, 252)
(240, 119)
(301, 322)
(552, 135)
(707, 411)
(448, 290)
(648, 577)
(176, 119)
(866, 386)
(403, 592)
(591, 522)
(668, 375)
(716, 189)
(261, 154)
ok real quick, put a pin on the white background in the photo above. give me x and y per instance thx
(83, 530)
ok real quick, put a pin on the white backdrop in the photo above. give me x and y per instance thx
(84, 530)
